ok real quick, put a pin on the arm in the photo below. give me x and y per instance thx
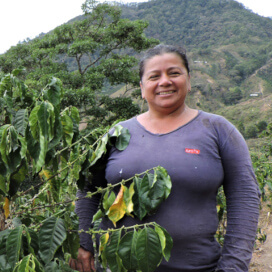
(242, 196)
(85, 209)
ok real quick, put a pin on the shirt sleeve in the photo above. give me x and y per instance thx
(243, 200)
(87, 207)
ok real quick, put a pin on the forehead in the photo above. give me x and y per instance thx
(163, 61)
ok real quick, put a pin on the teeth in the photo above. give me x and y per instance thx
(166, 92)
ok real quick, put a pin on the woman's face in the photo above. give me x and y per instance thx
(165, 82)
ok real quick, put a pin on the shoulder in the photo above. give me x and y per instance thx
(223, 128)
(128, 123)
(218, 122)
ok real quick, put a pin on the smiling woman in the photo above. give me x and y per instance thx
(201, 152)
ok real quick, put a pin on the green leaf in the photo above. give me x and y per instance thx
(17, 178)
(21, 120)
(156, 193)
(111, 251)
(3, 185)
(58, 131)
(122, 136)
(102, 244)
(34, 240)
(29, 264)
(128, 194)
(141, 189)
(148, 250)
(162, 175)
(127, 248)
(33, 123)
(33, 146)
(53, 90)
(51, 236)
(108, 200)
(71, 244)
(166, 241)
(46, 119)
(4, 147)
(23, 146)
(67, 124)
(74, 114)
(3, 239)
(99, 214)
(14, 245)
(100, 150)
(4, 266)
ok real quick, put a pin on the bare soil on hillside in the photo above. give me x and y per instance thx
(262, 256)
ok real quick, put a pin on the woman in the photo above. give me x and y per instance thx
(201, 152)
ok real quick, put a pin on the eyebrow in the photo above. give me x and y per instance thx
(170, 68)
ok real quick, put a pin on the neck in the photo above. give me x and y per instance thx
(168, 113)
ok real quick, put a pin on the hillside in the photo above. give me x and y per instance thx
(228, 44)
(229, 49)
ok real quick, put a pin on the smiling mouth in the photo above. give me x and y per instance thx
(166, 92)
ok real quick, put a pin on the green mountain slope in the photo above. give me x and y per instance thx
(229, 48)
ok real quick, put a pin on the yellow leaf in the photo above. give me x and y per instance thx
(118, 209)
(6, 207)
(45, 173)
(128, 194)
(103, 241)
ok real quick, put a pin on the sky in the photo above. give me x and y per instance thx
(22, 19)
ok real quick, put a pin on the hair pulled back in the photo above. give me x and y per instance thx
(160, 50)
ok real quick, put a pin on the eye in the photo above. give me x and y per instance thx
(175, 73)
(153, 77)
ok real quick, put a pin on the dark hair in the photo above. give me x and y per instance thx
(160, 50)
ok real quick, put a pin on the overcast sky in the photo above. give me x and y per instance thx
(22, 19)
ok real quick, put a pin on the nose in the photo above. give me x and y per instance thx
(164, 80)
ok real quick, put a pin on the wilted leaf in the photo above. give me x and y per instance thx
(118, 208)
(6, 207)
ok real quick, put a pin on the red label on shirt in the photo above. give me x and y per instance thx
(192, 151)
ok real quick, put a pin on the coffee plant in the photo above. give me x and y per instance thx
(44, 160)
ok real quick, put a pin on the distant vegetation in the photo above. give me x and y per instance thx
(229, 48)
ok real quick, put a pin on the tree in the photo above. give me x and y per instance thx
(86, 55)
(38, 225)
(233, 96)
(92, 47)
(251, 132)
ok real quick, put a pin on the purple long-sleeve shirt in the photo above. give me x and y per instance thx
(199, 156)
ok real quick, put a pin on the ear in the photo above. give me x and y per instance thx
(142, 90)
(189, 83)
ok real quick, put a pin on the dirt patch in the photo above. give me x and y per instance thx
(262, 256)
